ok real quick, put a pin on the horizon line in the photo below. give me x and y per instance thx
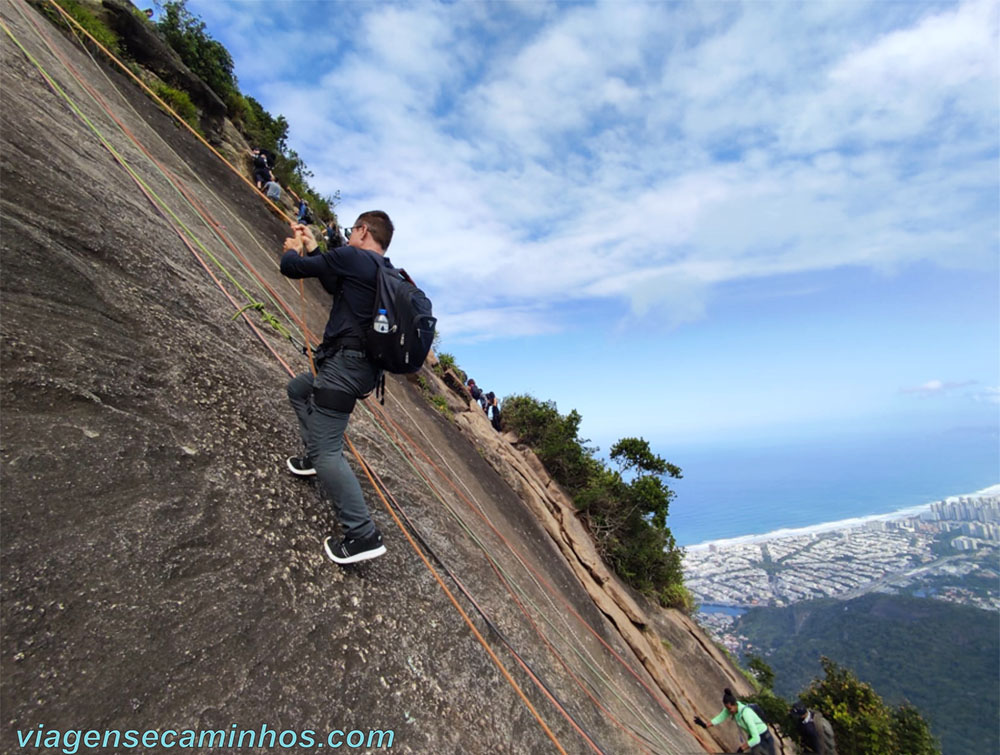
(840, 524)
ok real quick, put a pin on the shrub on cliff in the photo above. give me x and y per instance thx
(211, 61)
(863, 723)
(179, 102)
(627, 520)
(206, 57)
(83, 16)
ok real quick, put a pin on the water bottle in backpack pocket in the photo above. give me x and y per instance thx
(403, 324)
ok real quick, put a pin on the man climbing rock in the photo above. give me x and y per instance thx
(323, 404)
(815, 730)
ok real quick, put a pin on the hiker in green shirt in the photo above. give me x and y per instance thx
(760, 741)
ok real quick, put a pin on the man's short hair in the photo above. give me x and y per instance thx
(379, 226)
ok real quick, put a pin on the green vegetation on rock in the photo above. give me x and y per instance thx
(863, 724)
(86, 18)
(628, 520)
(179, 102)
(207, 58)
(446, 361)
(211, 61)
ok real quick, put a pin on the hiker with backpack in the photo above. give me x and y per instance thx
(493, 410)
(816, 731)
(305, 216)
(760, 741)
(323, 404)
(477, 393)
(261, 169)
(334, 238)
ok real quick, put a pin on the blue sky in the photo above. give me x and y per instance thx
(694, 222)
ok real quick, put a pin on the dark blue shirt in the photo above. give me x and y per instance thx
(356, 269)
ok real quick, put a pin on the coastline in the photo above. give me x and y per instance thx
(842, 524)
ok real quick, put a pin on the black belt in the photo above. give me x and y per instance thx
(343, 342)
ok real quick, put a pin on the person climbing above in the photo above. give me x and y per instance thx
(493, 410)
(323, 404)
(305, 217)
(477, 393)
(273, 190)
(815, 730)
(760, 741)
(261, 170)
(333, 236)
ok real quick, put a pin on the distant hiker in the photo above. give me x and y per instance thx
(815, 730)
(760, 741)
(323, 405)
(305, 216)
(477, 393)
(261, 170)
(493, 410)
(334, 237)
(273, 190)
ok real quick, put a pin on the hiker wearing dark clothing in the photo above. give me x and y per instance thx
(333, 236)
(261, 170)
(815, 730)
(304, 215)
(760, 741)
(493, 410)
(323, 404)
(477, 393)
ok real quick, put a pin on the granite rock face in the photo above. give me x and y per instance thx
(161, 569)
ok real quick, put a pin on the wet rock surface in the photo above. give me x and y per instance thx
(161, 569)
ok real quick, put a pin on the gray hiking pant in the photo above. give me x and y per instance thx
(765, 746)
(323, 429)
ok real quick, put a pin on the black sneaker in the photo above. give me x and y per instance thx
(300, 465)
(353, 549)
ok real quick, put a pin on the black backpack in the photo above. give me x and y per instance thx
(755, 707)
(409, 323)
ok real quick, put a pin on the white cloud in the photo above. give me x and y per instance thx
(938, 387)
(664, 149)
(989, 395)
(942, 50)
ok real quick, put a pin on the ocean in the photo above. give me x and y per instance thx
(754, 489)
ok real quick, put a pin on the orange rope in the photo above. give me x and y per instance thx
(534, 572)
(164, 105)
(454, 601)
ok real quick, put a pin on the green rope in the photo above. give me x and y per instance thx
(265, 316)
(269, 319)
(206, 187)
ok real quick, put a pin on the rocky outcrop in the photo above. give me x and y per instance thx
(146, 47)
(694, 671)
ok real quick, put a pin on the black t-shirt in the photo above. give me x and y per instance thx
(357, 268)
